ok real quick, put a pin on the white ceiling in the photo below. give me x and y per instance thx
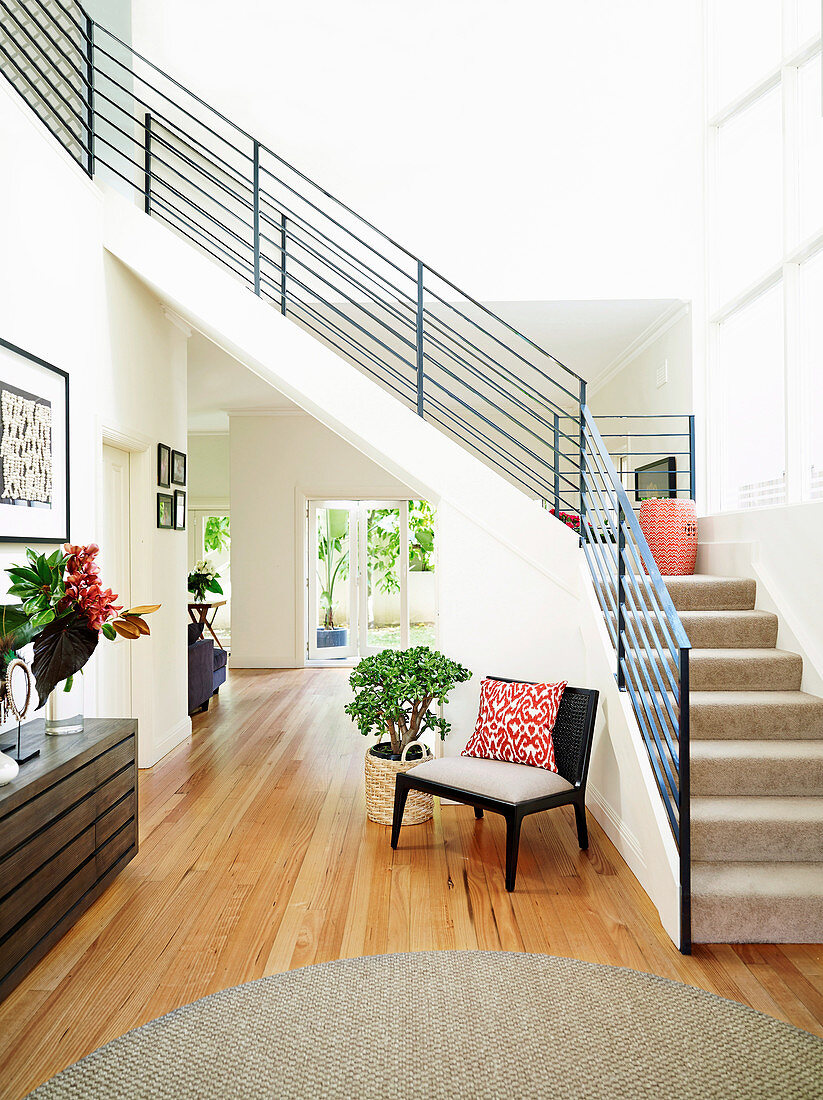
(219, 384)
(585, 335)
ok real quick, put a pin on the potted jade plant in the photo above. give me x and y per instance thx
(63, 610)
(333, 565)
(393, 693)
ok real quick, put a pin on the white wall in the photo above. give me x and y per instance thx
(277, 462)
(208, 469)
(62, 299)
(527, 151)
(780, 548)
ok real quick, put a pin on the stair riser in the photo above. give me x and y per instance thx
(743, 633)
(757, 920)
(756, 723)
(781, 672)
(757, 778)
(690, 594)
(756, 841)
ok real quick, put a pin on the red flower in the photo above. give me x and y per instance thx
(84, 588)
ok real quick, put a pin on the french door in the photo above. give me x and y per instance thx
(358, 578)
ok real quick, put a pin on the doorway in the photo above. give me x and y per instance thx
(371, 577)
(211, 540)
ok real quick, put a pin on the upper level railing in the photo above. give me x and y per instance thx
(445, 355)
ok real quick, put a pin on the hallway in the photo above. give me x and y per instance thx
(256, 858)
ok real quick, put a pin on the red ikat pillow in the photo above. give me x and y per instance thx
(515, 723)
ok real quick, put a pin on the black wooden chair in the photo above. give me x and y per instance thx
(515, 790)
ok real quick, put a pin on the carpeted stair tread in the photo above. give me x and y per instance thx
(758, 768)
(752, 715)
(755, 829)
(739, 669)
(730, 629)
(761, 902)
(703, 592)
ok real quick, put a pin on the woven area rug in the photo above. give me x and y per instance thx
(454, 1023)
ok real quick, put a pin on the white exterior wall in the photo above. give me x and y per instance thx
(64, 300)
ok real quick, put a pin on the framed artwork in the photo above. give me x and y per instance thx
(34, 448)
(163, 465)
(165, 510)
(178, 467)
(656, 479)
(179, 510)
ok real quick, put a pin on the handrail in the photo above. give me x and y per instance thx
(651, 643)
(438, 350)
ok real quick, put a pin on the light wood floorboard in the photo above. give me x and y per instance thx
(256, 857)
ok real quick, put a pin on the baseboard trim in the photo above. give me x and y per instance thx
(623, 839)
(175, 736)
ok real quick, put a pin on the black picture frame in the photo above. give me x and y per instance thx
(165, 511)
(178, 459)
(179, 510)
(656, 479)
(28, 521)
(163, 465)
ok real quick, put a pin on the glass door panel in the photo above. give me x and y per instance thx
(421, 574)
(384, 620)
(332, 589)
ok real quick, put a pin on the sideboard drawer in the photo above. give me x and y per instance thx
(33, 815)
(32, 854)
(31, 892)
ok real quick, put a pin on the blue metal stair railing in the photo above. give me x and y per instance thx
(444, 354)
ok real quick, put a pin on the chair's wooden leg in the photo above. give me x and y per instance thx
(582, 828)
(478, 811)
(513, 823)
(401, 793)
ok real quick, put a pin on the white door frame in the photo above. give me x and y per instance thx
(141, 526)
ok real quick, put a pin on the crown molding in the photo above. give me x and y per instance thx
(667, 319)
(203, 431)
(265, 412)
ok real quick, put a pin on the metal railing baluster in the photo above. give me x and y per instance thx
(419, 339)
(256, 215)
(147, 163)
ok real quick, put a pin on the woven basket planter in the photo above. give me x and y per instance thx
(380, 777)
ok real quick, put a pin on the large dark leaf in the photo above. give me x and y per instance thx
(61, 649)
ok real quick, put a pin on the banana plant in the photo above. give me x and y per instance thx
(333, 558)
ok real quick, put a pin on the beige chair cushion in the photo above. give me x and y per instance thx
(492, 778)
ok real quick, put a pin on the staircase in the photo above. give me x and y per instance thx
(756, 772)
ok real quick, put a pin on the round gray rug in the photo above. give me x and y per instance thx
(454, 1024)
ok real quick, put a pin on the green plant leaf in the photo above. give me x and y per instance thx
(43, 618)
(109, 631)
(23, 573)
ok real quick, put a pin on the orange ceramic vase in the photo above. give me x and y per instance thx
(670, 527)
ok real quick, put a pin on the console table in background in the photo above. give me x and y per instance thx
(68, 825)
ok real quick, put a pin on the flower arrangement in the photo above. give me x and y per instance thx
(64, 609)
(202, 579)
(571, 519)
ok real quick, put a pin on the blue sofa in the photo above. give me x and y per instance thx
(207, 669)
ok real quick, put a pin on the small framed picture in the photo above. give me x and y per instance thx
(165, 510)
(178, 467)
(163, 465)
(179, 510)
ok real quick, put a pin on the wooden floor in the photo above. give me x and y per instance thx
(255, 857)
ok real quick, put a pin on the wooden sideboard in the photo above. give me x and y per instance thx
(68, 825)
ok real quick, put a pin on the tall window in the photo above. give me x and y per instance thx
(765, 252)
